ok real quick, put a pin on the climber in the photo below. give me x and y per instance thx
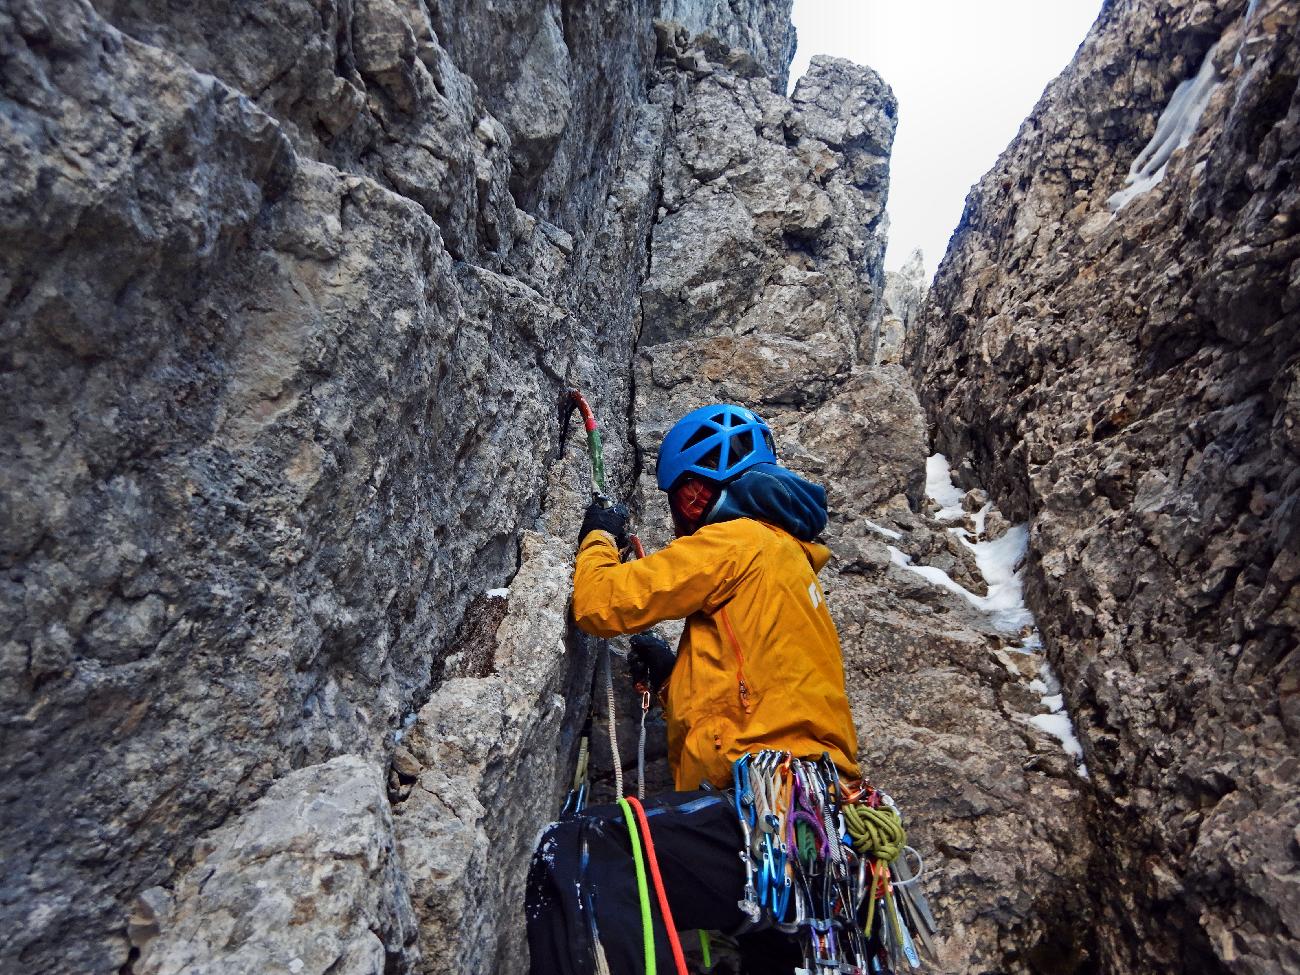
(743, 574)
(758, 666)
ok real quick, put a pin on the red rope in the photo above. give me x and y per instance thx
(678, 958)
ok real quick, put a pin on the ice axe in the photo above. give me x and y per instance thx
(572, 400)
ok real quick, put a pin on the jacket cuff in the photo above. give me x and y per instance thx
(598, 533)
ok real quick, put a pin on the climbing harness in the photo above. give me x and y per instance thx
(578, 794)
(825, 860)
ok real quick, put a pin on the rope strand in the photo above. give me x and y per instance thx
(613, 720)
(665, 912)
(647, 921)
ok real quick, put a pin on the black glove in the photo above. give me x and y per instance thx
(612, 519)
(650, 661)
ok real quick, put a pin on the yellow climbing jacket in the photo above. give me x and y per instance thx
(759, 662)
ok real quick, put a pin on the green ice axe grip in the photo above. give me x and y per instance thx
(594, 447)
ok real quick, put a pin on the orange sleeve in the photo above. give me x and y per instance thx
(695, 573)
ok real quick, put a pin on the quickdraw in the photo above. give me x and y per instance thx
(824, 859)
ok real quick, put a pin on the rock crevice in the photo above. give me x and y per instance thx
(291, 292)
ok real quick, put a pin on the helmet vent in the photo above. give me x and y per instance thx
(711, 460)
(743, 444)
(699, 436)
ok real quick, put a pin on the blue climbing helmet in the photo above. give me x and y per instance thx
(716, 442)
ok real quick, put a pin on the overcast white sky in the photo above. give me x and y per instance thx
(965, 72)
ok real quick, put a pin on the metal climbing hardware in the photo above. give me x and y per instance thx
(827, 861)
(744, 804)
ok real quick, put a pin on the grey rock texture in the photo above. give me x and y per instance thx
(1126, 378)
(904, 292)
(754, 37)
(281, 411)
(316, 852)
(766, 251)
(289, 293)
(486, 760)
(279, 401)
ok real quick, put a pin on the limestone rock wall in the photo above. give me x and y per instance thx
(290, 292)
(282, 358)
(1117, 359)
(315, 852)
(904, 293)
(753, 35)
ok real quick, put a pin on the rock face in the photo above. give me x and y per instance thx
(282, 354)
(487, 754)
(290, 295)
(316, 852)
(1111, 347)
(291, 292)
(904, 292)
(754, 36)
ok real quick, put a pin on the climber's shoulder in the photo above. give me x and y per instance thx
(744, 532)
(746, 537)
(755, 539)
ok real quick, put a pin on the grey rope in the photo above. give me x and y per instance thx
(640, 751)
(613, 717)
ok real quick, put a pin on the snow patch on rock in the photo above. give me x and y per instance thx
(1000, 562)
(1174, 130)
(940, 489)
(1005, 604)
(882, 530)
(1056, 722)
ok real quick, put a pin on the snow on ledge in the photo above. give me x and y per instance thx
(940, 489)
(882, 530)
(1056, 722)
(999, 563)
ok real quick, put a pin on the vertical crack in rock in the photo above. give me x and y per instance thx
(291, 292)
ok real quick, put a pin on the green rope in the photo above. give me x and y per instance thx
(647, 922)
(877, 833)
(705, 950)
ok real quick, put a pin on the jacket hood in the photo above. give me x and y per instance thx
(768, 492)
